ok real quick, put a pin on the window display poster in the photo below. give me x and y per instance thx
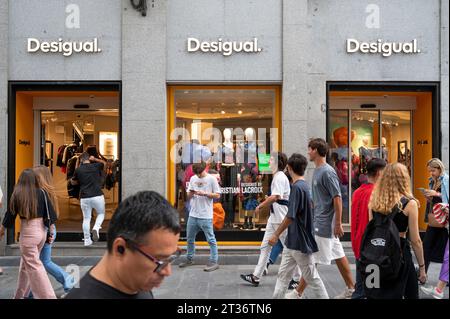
(263, 163)
(108, 144)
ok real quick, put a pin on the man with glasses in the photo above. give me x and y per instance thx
(142, 243)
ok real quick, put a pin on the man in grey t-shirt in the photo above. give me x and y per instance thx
(325, 189)
(328, 216)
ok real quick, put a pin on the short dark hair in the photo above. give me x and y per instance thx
(212, 171)
(281, 158)
(139, 214)
(84, 157)
(374, 166)
(92, 150)
(320, 145)
(198, 168)
(298, 163)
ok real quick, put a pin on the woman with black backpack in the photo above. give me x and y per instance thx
(393, 204)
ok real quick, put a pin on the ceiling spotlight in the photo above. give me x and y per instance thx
(239, 103)
(223, 112)
(239, 112)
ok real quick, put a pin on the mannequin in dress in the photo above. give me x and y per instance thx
(365, 155)
(228, 172)
(249, 171)
(384, 151)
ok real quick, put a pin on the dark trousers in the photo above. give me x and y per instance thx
(359, 285)
(434, 245)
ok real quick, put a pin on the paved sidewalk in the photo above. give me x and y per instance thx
(224, 283)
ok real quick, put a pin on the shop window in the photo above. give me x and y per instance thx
(234, 129)
(357, 135)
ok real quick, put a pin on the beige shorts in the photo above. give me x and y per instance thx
(329, 249)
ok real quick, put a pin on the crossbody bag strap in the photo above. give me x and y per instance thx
(46, 206)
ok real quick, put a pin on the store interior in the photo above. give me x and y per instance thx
(405, 122)
(60, 126)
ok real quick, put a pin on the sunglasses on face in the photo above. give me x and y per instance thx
(160, 264)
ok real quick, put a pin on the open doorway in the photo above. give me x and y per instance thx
(52, 126)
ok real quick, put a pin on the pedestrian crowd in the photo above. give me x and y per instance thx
(305, 227)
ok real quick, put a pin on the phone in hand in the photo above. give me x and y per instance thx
(193, 191)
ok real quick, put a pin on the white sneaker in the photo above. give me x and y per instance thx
(346, 294)
(88, 242)
(95, 234)
(432, 291)
(293, 294)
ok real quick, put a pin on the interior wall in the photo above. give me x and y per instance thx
(24, 132)
(105, 124)
(422, 131)
(396, 134)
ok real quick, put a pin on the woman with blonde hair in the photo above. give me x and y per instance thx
(393, 191)
(45, 182)
(30, 203)
(436, 236)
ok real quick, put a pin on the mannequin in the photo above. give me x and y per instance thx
(249, 171)
(227, 137)
(228, 173)
(384, 151)
(250, 145)
(227, 149)
(365, 155)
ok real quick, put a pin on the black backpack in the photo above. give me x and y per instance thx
(381, 247)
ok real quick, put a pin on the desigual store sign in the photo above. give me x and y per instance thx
(226, 48)
(66, 48)
(385, 48)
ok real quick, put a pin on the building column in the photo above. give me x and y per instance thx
(444, 83)
(144, 99)
(4, 12)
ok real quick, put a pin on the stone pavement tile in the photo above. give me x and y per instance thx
(224, 283)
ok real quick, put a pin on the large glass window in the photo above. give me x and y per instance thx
(234, 131)
(361, 130)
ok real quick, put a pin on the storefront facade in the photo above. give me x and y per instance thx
(272, 73)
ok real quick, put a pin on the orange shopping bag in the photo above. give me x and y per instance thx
(218, 216)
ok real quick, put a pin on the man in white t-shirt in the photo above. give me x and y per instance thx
(278, 202)
(202, 189)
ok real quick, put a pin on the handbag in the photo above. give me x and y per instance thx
(440, 214)
(47, 221)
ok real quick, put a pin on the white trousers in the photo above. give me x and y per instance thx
(266, 248)
(87, 204)
(289, 261)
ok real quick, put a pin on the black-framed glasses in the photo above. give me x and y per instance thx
(160, 264)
